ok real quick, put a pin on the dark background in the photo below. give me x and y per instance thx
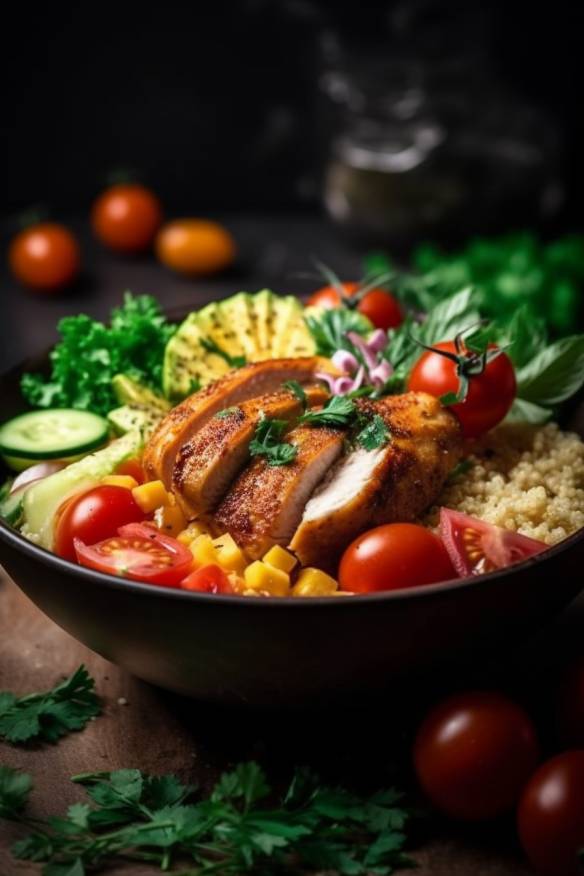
(217, 104)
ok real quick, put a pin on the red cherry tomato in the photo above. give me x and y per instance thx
(490, 394)
(138, 552)
(132, 468)
(45, 257)
(377, 305)
(394, 556)
(551, 816)
(476, 547)
(473, 754)
(207, 579)
(126, 217)
(93, 516)
(570, 707)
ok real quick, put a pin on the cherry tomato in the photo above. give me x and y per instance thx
(377, 305)
(473, 754)
(476, 547)
(207, 579)
(394, 556)
(126, 217)
(138, 552)
(551, 815)
(490, 394)
(195, 246)
(45, 257)
(93, 516)
(132, 468)
(570, 707)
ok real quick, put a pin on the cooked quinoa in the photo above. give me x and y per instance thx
(529, 479)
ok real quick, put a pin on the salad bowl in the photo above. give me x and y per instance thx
(283, 651)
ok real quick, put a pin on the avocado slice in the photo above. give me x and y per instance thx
(236, 313)
(144, 418)
(287, 317)
(262, 306)
(43, 499)
(131, 392)
(186, 365)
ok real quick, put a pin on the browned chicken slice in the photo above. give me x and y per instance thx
(206, 465)
(185, 419)
(396, 482)
(265, 504)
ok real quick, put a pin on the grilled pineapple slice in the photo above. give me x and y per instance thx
(223, 335)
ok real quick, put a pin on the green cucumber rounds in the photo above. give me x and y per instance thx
(53, 434)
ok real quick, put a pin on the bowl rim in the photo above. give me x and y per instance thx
(46, 557)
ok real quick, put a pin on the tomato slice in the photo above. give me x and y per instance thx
(138, 552)
(208, 579)
(476, 547)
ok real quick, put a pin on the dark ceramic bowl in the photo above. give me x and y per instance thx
(285, 651)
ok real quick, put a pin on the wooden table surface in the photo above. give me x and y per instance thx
(142, 727)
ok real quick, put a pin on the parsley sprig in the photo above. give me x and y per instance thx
(338, 412)
(45, 717)
(296, 389)
(239, 828)
(268, 442)
(369, 431)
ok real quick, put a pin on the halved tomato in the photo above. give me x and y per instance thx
(138, 552)
(208, 579)
(476, 547)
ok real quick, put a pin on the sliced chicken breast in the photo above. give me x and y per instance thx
(208, 463)
(185, 419)
(266, 503)
(396, 482)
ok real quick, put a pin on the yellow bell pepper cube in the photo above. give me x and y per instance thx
(280, 559)
(204, 551)
(151, 496)
(125, 481)
(231, 557)
(266, 579)
(193, 531)
(314, 582)
(170, 519)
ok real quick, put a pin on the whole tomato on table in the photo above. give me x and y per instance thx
(195, 246)
(126, 217)
(45, 257)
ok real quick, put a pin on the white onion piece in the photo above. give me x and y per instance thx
(35, 473)
(326, 378)
(369, 357)
(378, 341)
(380, 375)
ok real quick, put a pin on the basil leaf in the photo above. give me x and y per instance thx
(527, 412)
(453, 315)
(554, 374)
(525, 334)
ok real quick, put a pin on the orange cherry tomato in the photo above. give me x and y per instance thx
(126, 217)
(392, 557)
(195, 246)
(474, 753)
(378, 305)
(45, 257)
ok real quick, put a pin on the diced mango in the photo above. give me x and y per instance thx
(280, 559)
(170, 519)
(204, 551)
(231, 557)
(193, 531)
(314, 582)
(125, 481)
(266, 579)
(151, 496)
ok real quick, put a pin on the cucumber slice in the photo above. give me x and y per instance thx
(53, 434)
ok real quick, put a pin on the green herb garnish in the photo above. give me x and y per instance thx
(160, 820)
(267, 442)
(330, 328)
(461, 468)
(48, 716)
(296, 389)
(374, 434)
(227, 412)
(90, 354)
(338, 412)
(211, 346)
